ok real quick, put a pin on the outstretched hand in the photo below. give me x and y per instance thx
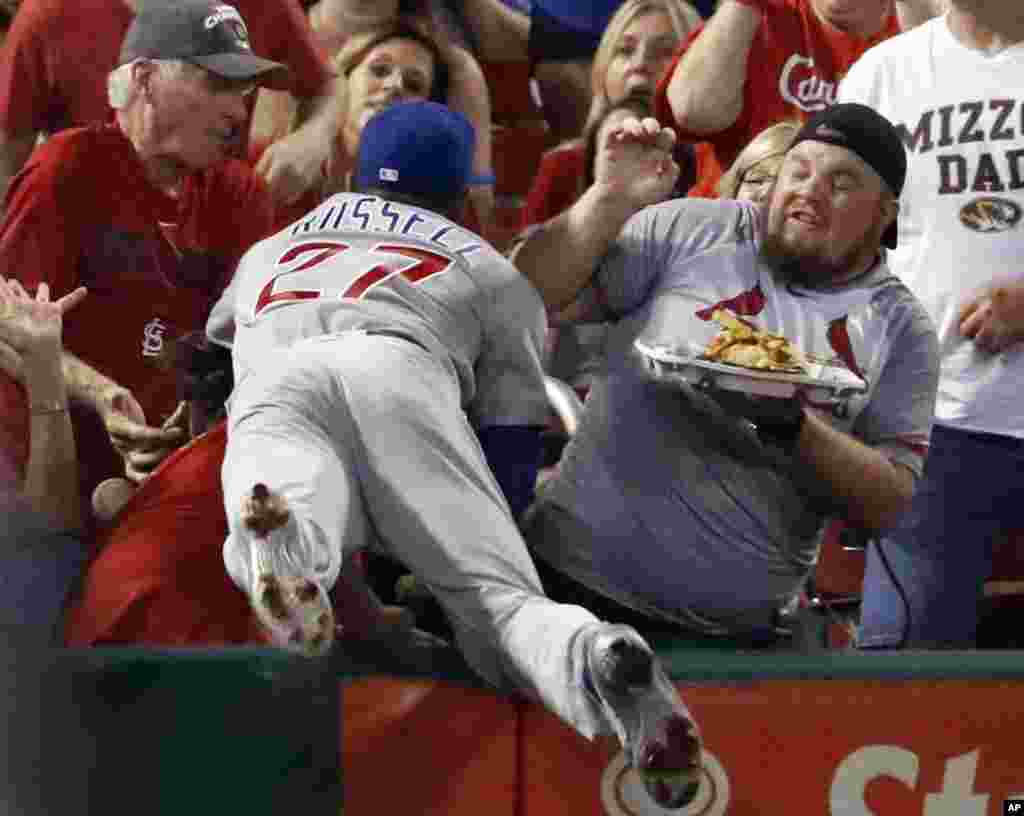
(141, 446)
(30, 328)
(635, 162)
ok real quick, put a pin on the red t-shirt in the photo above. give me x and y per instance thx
(159, 579)
(794, 68)
(82, 212)
(55, 58)
(159, 576)
(557, 184)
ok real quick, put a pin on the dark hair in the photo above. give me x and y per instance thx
(637, 103)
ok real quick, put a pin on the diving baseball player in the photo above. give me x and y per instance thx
(375, 342)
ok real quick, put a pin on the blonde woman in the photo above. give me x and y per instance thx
(383, 61)
(635, 50)
(751, 176)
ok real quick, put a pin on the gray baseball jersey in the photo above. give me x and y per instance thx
(686, 512)
(366, 435)
(361, 262)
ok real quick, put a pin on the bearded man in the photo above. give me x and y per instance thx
(703, 507)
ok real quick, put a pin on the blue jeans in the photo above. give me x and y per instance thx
(941, 549)
(39, 566)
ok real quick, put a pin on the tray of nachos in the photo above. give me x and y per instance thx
(742, 357)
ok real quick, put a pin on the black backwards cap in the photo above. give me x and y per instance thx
(868, 134)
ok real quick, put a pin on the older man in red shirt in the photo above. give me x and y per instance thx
(151, 214)
(55, 60)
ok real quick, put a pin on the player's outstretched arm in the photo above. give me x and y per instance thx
(634, 168)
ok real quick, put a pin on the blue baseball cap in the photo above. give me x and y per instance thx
(418, 148)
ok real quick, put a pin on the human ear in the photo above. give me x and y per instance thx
(143, 72)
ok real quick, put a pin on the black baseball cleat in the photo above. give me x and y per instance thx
(642, 706)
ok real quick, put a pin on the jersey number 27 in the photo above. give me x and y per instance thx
(421, 264)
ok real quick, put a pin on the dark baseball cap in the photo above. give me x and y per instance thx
(868, 134)
(420, 148)
(209, 34)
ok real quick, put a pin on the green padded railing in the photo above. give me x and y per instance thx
(705, 660)
(176, 732)
(257, 731)
(689, 660)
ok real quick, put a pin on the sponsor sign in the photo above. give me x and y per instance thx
(832, 748)
(774, 748)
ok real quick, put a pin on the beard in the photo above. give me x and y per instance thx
(811, 269)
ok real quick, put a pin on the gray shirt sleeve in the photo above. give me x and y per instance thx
(660, 239)
(898, 418)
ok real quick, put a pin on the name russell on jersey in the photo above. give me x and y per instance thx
(372, 214)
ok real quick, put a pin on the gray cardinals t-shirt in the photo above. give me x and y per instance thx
(679, 507)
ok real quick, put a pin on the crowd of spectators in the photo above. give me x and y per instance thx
(133, 187)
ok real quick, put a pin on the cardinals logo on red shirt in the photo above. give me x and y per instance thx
(153, 338)
(801, 86)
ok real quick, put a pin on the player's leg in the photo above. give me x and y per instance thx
(940, 553)
(293, 505)
(438, 508)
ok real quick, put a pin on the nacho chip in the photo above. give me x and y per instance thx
(740, 344)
